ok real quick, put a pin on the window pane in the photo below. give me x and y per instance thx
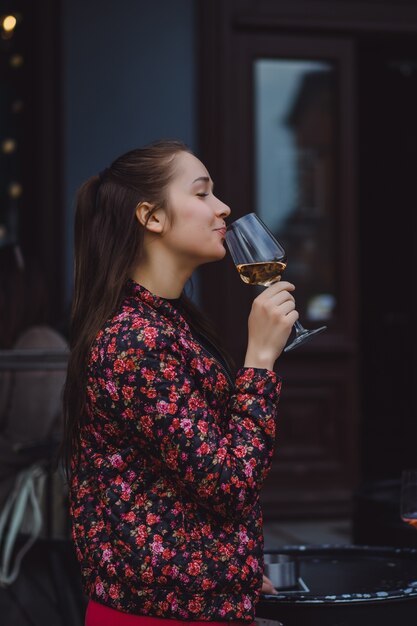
(295, 150)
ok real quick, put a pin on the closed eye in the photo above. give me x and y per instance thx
(202, 194)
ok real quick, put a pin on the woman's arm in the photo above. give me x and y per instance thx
(157, 397)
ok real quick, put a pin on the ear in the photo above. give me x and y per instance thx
(155, 221)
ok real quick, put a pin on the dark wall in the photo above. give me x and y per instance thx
(387, 159)
(128, 78)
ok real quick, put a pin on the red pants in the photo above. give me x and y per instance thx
(100, 615)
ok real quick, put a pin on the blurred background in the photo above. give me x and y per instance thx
(304, 112)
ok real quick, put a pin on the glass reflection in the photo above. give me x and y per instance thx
(295, 146)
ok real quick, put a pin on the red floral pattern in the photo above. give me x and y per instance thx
(165, 499)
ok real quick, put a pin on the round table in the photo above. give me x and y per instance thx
(347, 586)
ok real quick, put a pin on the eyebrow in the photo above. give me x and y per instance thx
(206, 179)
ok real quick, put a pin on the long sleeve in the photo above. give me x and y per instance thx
(156, 394)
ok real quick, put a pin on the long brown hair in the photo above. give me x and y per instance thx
(108, 240)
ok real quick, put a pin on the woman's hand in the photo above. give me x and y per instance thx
(270, 322)
(267, 586)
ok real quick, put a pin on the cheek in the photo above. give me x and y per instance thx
(192, 222)
(194, 217)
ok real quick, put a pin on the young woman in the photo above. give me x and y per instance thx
(167, 448)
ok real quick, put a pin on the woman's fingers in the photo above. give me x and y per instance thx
(270, 323)
(287, 307)
(280, 298)
(267, 586)
(273, 302)
(273, 290)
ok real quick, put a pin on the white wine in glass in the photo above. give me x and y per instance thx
(409, 497)
(261, 273)
(260, 260)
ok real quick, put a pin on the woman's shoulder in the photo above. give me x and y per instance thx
(138, 327)
(135, 317)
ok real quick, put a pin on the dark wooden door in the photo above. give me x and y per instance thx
(308, 163)
(343, 171)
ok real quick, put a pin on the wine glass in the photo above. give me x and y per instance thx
(409, 497)
(260, 260)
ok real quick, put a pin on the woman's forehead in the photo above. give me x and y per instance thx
(189, 168)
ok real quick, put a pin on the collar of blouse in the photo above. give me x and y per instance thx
(136, 292)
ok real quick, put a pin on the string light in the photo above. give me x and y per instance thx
(3, 232)
(7, 26)
(8, 146)
(17, 106)
(9, 23)
(15, 190)
(16, 60)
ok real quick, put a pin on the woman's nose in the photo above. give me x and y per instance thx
(223, 210)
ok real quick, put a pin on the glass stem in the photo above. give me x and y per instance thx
(299, 328)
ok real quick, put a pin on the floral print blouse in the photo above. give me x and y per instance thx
(165, 498)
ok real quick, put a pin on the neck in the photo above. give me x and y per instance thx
(161, 276)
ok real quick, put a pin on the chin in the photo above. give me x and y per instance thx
(215, 255)
(214, 258)
(221, 254)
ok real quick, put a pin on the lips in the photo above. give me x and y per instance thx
(222, 231)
